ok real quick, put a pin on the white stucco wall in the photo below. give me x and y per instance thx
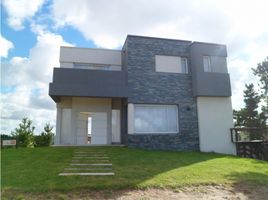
(130, 118)
(215, 118)
(116, 126)
(66, 137)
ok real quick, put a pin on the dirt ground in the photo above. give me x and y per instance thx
(236, 192)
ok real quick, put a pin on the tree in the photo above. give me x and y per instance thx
(48, 134)
(48, 129)
(24, 133)
(262, 72)
(46, 137)
(239, 118)
(250, 116)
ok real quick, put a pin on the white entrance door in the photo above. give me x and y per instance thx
(82, 128)
(99, 128)
(116, 136)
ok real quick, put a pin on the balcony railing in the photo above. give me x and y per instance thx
(88, 83)
(251, 142)
(249, 134)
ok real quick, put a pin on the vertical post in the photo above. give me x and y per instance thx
(58, 125)
(130, 118)
(236, 135)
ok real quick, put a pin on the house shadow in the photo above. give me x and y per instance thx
(134, 168)
(251, 184)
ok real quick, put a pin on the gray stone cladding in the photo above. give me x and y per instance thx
(150, 87)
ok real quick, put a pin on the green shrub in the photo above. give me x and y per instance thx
(46, 137)
(43, 140)
(24, 133)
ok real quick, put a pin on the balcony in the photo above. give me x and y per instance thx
(212, 84)
(88, 83)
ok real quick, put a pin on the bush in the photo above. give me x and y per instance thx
(43, 140)
(25, 137)
(24, 133)
(46, 137)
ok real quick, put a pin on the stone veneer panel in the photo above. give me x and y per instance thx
(150, 87)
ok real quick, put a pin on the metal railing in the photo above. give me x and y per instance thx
(252, 134)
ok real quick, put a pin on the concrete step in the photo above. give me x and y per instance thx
(93, 164)
(87, 174)
(88, 169)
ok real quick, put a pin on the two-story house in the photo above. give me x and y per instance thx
(154, 93)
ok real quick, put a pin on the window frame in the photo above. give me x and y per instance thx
(154, 132)
(187, 67)
(159, 70)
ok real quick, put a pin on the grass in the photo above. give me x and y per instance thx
(36, 170)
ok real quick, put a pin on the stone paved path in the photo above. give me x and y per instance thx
(89, 163)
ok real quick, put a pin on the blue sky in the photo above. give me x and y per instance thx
(33, 31)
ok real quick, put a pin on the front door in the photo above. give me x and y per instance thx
(99, 128)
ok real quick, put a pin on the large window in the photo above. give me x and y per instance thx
(171, 64)
(155, 118)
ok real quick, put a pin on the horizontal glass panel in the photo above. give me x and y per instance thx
(97, 66)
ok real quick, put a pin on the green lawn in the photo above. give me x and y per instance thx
(36, 170)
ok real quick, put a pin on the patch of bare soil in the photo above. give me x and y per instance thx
(220, 192)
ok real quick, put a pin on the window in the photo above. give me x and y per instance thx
(171, 64)
(207, 64)
(155, 119)
(97, 66)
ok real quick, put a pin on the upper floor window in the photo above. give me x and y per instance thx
(216, 64)
(97, 66)
(207, 64)
(171, 64)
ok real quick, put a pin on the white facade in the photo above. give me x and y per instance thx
(215, 118)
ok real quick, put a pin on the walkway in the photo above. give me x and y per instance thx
(89, 163)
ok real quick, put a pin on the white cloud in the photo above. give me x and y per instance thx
(6, 45)
(20, 10)
(30, 77)
(239, 24)
(108, 25)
